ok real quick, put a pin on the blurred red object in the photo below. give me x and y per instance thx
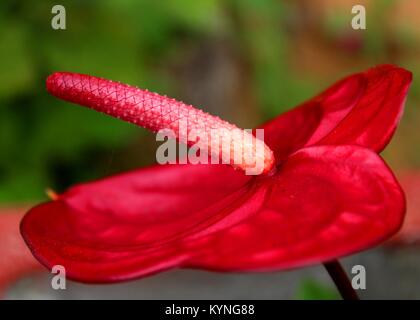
(410, 231)
(16, 259)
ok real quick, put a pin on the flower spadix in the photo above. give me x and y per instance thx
(152, 111)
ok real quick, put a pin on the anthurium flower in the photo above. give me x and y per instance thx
(16, 259)
(324, 192)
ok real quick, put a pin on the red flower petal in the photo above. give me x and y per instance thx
(326, 202)
(133, 224)
(362, 109)
(16, 259)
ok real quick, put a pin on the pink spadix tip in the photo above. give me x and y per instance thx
(155, 112)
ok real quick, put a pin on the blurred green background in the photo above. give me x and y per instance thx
(244, 60)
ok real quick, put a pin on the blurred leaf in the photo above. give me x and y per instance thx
(23, 185)
(17, 71)
(313, 290)
(201, 15)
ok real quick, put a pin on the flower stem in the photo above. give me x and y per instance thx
(341, 281)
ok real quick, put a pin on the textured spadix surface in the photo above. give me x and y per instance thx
(330, 196)
(155, 112)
